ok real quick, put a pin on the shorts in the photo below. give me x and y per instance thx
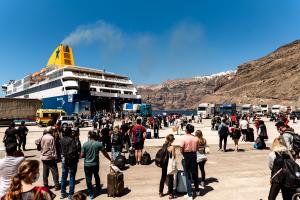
(138, 146)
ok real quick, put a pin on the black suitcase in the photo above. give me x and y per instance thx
(115, 183)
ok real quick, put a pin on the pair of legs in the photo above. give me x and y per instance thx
(68, 168)
(189, 164)
(50, 165)
(115, 151)
(138, 151)
(287, 194)
(202, 170)
(244, 133)
(236, 144)
(163, 179)
(89, 172)
(22, 142)
(223, 138)
(156, 130)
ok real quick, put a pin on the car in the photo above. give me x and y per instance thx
(67, 121)
(295, 114)
(86, 122)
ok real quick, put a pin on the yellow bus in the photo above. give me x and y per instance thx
(43, 116)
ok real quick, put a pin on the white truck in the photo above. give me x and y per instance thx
(206, 110)
(246, 109)
(275, 109)
(264, 108)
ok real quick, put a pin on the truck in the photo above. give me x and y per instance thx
(228, 109)
(246, 109)
(206, 110)
(275, 109)
(17, 110)
(264, 108)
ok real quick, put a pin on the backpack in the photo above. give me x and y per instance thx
(146, 159)
(296, 142)
(291, 171)
(223, 131)
(120, 161)
(71, 152)
(138, 135)
(161, 157)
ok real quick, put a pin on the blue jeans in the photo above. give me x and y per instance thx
(89, 172)
(69, 167)
(115, 151)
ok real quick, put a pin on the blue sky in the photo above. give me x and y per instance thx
(150, 41)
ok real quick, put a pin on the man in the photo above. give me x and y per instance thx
(9, 166)
(49, 158)
(188, 147)
(90, 153)
(244, 125)
(105, 138)
(223, 134)
(287, 135)
(156, 127)
(69, 162)
(138, 137)
(22, 133)
(10, 135)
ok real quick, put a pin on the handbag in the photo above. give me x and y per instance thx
(201, 157)
(172, 166)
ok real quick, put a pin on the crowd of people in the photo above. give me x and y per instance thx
(62, 144)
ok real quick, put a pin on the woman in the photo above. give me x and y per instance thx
(116, 142)
(276, 162)
(21, 187)
(201, 151)
(170, 153)
(235, 135)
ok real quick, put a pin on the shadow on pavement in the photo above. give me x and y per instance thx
(104, 192)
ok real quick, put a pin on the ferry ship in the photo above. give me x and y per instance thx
(82, 90)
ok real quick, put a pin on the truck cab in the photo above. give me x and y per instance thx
(275, 109)
(205, 110)
(246, 109)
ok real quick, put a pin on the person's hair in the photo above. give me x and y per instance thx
(92, 135)
(12, 125)
(24, 171)
(139, 121)
(169, 139)
(11, 148)
(224, 120)
(278, 145)
(189, 128)
(199, 135)
(79, 196)
(22, 123)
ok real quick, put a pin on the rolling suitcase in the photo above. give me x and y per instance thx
(181, 182)
(115, 183)
(120, 161)
(148, 134)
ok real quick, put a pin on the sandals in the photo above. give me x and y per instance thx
(161, 194)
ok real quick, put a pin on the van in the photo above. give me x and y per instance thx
(43, 116)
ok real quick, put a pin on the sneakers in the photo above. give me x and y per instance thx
(63, 196)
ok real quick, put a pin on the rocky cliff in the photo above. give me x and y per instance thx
(273, 79)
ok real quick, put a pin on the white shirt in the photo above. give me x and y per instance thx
(244, 124)
(8, 168)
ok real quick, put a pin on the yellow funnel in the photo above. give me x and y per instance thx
(62, 56)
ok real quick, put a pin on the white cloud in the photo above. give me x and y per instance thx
(168, 48)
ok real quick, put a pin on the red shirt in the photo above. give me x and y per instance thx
(133, 131)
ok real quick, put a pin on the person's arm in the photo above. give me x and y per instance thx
(174, 152)
(106, 155)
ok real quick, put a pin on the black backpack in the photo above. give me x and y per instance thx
(131, 157)
(161, 157)
(146, 159)
(120, 161)
(223, 131)
(296, 142)
(71, 152)
(291, 171)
